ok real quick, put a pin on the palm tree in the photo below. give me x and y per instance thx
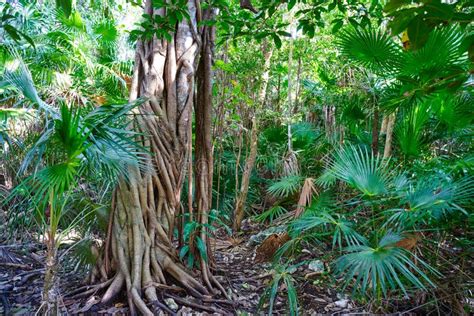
(417, 80)
(75, 143)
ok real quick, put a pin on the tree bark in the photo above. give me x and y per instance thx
(139, 253)
(383, 127)
(50, 289)
(244, 185)
(389, 135)
(298, 87)
(203, 146)
(375, 131)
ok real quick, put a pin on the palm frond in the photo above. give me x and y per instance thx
(410, 130)
(382, 267)
(442, 52)
(306, 195)
(17, 75)
(360, 169)
(327, 224)
(431, 198)
(271, 214)
(370, 48)
(286, 186)
(455, 112)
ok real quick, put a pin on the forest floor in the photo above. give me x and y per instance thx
(21, 282)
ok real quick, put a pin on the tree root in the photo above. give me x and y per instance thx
(87, 290)
(143, 260)
(206, 308)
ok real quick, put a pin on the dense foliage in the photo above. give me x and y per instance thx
(364, 116)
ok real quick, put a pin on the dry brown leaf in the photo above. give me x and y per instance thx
(305, 196)
(408, 242)
(269, 246)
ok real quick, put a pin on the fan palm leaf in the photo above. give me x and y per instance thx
(382, 267)
(410, 130)
(327, 224)
(431, 198)
(271, 214)
(286, 186)
(18, 76)
(366, 172)
(442, 53)
(370, 48)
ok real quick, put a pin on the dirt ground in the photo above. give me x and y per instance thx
(21, 282)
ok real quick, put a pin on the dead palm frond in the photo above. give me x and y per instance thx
(306, 196)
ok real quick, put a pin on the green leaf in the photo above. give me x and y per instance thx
(28, 39)
(202, 248)
(276, 40)
(353, 22)
(283, 33)
(292, 295)
(370, 48)
(418, 32)
(66, 5)
(360, 169)
(441, 11)
(393, 5)
(286, 186)
(291, 4)
(183, 251)
(341, 6)
(337, 24)
(383, 266)
(13, 32)
(401, 20)
(6, 17)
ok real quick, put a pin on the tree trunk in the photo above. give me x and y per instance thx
(241, 198)
(389, 135)
(203, 146)
(50, 289)
(383, 127)
(375, 131)
(298, 87)
(139, 253)
(244, 184)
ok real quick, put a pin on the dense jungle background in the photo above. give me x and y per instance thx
(175, 157)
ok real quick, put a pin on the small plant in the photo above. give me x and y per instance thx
(282, 275)
(271, 214)
(382, 267)
(196, 247)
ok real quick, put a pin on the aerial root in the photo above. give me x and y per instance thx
(87, 289)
